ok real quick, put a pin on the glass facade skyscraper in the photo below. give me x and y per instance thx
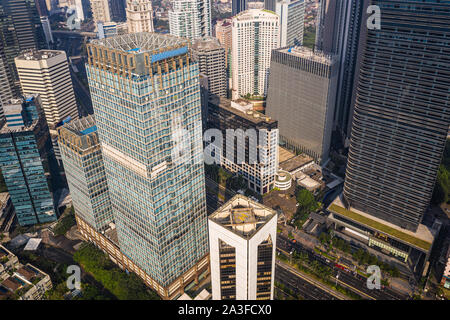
(20, 29)
(402, 112)
(85, 172)
(25, 158)
(146, 97)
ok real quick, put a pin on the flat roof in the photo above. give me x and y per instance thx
(422, 238)
(250, 115)
(37, 55)
(296, 162)
(242, 216)
(309, 54)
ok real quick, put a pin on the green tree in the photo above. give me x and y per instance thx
(441, 188)
(307, 202)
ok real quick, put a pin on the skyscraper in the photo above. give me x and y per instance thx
(100, 11)
(238, 6)
(26, 161)
(85, 172)
(338, 33)
(255, 33)
(6, 91)
(270, 5)
(211, 61)
(223, 34)
(47, 72)
(302, 97)
(79, 9)
(20, 29)
(401, 114)
(242, 237)
(190, 18)
(47, 30)
(146, 98)
(117, 9)
(139, 16)
(292, 14)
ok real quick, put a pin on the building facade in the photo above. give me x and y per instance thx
(145, 94)
(139, 16)
(223, 34)
(401, 115)
(238, 6)
(100, 11)
(85, 171)
(46, 72)
(338, 33)
(6, 82)
(255, 33)
(211, 58)
(47, 30)
(302, 97)
(254, 136)
(242, 238)
(26, 161)
(292, 16)
(190, 19)
(118, 10)
(20, 29)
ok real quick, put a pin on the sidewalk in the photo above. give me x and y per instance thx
(315, 282)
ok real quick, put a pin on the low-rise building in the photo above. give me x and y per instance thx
(407, 250)
(21, 282)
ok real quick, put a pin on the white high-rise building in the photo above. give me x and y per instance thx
(100, 11)
(242, 241)
(79, 9)
(47, 72)
(139, 16)
(190, 18)
(292, 14)
(255, 33)
(47, 30)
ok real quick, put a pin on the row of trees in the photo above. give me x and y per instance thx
(122, 285)
(442, 186)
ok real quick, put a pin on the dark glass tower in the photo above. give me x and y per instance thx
(270, 5)
(402, 112)
(20, 29)
(238, 6)
(27, 161)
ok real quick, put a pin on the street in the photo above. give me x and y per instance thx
(355, 282)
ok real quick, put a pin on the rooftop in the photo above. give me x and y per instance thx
(206, 44)
(290, 165)
(82, 126)
(242, 216)
(309, 54)
(142, 42)
(254, 13)
(251, 115)
(422, 238)
(39, 54)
